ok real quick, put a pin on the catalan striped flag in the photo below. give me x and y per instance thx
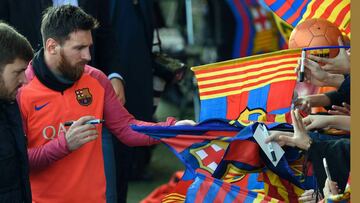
(211, 190)
(296, 11)
(258, 87)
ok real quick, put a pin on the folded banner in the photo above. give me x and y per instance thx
(258, 88)
(226, 150)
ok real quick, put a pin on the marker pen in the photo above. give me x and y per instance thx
(94, 121)
(302, 69)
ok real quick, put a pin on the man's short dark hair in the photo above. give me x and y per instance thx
(59, 22)
(13, 45)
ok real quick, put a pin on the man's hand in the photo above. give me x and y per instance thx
(309, 196)
(80, 133)
(299, 138)
(304, 104)
(339, 65)
(119, 89)
(340, 110)
(317, 121)
(330, 188)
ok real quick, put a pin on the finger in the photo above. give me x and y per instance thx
(346, 105)
(340, 108)
(294, 121)
(86, 134)
(88, 139)
(307, 120)
(82, 120)
(318, 59)
(332, 112)
(289, 141)
(299, 120)
(78, 130)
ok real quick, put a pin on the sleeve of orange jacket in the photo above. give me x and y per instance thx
(118, 119)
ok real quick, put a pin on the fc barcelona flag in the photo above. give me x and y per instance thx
(211, 190)
(296, 11)
(227, 152)
(258, 88)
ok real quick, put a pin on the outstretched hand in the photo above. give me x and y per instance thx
(299, 138)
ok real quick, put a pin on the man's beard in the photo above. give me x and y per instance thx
(4, 92)
(70, 72)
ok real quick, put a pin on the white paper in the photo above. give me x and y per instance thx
(260, 137)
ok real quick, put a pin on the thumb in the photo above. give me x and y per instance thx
(289, 141)
(310, 126)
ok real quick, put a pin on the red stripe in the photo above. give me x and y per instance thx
(203, 190)
(244, 86)
(240, 72)
(298, 12)
(314, 7)
(223, 191)
(341, 15)
(244, 151)
(270, 2)
(236, 104)
(285, 7)
(272, 189)
(228, 82)
(289, 188)
(251, 62)
(248, 84)
(279, 90)
(330, 9)
(246, 31)
(242, 195)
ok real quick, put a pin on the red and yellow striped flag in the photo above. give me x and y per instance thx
(245, 74)
(296, 11)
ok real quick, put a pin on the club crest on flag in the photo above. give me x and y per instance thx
(83, 96)
(209, 155)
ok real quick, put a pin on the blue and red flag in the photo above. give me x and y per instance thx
(224, 151)
(255, 29)
(211, 190)
(296, 11)
(258, 88)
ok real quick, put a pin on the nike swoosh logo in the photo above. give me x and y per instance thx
(38, 108)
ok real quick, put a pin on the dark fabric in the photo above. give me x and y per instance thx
(134, 27)
(25, 16)
(341, 95)
(44, 74)
(14, 164)
(337, 154)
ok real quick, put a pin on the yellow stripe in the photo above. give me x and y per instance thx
(280, 118)
(246, 89)
(244, 59)
(244, 75)
(244, 68)
(321, 9)
(173, 199)
(334, 14)
(307, 12)
(174, 194)
(247, 82)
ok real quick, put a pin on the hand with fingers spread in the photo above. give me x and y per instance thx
(339, 65)
(309, 196)
(80, 133)
(340, 110)
(299, 138)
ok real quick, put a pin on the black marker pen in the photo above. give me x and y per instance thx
(94, 121)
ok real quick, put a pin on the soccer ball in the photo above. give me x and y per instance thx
(313, 33)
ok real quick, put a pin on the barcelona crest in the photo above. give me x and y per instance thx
(83, 96)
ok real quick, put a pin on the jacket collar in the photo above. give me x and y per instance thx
(45, 76)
